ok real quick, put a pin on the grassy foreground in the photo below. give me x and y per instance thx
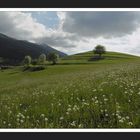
(76, 93)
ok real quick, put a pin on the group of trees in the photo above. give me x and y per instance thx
(51, 57)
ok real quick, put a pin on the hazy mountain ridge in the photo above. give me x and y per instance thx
(15, 50)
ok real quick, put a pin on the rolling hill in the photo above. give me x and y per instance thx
(109, 57)
(14, 50)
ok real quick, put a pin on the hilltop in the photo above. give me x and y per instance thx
(109, 57)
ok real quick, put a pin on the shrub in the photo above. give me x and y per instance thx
(34, 68)
(5, 67)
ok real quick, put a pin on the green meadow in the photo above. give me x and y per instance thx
(74, 93)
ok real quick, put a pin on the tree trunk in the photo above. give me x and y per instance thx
(100, 55)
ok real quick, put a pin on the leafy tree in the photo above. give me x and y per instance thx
(53, 57)
(42, 58)
(99, 49)
(27, 60)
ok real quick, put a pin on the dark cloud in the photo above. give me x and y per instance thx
(101, 23)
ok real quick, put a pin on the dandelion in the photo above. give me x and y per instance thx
(21, 121)
(118, 107)
(23, 117)
(95, 97)
(10, 112)
(130, 123)
(106, 115)
(119, 117)
(9, 125)
(78, 99)
(105, 99)
(101, 110)
(127, 117)
(118, 111)
(42, 115)
(18, 119)
(103, 95)
(83, 100)
(61, 118)
(69, 109)
(101, 89)
(96, 102)
(121, 121)
(46, 119)
(73, 123)
(67, 113)
(94, 90)
(80, 125)
(113, 114)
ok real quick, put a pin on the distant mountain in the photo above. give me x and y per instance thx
(14, 51)
(50, 49)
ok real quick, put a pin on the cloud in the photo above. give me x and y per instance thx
(23, 26)
(101, 23)
(20, 25)
(77, 31)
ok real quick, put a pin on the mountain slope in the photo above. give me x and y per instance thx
(15, 50)
(50, 49)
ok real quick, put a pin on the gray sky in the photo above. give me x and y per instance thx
(74, 32)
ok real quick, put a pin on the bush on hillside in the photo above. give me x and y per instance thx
(34, 68)
(5, 67)
(96, 57)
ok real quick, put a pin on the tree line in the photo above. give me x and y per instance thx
(42, 59)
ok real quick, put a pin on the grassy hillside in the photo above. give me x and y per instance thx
(109, 58)
(76, 93)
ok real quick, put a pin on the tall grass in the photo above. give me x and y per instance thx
(106, 96)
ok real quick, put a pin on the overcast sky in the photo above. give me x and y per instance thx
(74, 32)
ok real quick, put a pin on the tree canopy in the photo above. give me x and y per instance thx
(99, 49)
(53, 57)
